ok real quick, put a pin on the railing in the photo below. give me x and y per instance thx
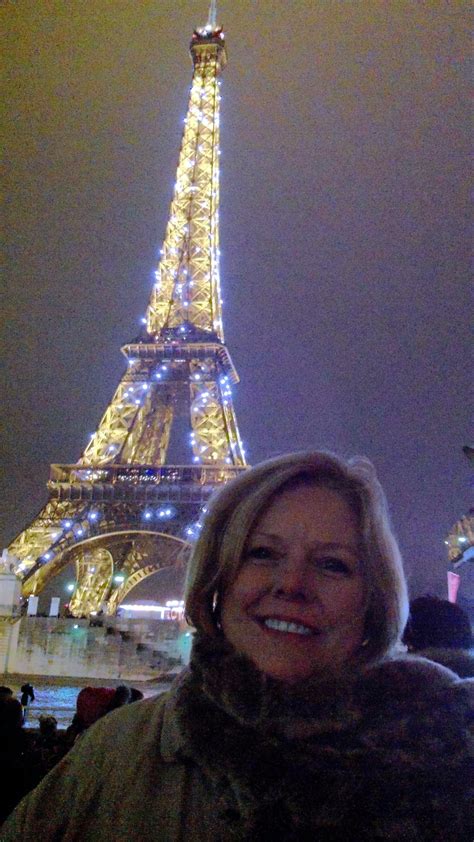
(143, 474)
(177, 349)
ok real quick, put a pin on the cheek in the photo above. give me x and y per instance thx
(348, 605)
(248, 588)
(356, 606)
(361, 597)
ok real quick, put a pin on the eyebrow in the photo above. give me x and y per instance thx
(326, 545)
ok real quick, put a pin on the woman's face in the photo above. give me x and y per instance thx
(298, 601)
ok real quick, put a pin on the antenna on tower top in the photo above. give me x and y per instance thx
(212, 17)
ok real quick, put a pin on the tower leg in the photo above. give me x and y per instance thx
(94, 571)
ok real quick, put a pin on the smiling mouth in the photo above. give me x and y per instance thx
(288, 627)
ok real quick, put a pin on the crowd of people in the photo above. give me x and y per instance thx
(27, 755)
(316, 706)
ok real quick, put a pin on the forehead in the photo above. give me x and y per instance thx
(312, 510)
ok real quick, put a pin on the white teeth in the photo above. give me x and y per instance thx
(283, 626)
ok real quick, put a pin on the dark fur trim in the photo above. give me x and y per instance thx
(380, 755)
(458, 660)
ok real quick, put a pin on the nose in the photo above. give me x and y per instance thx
(292, 580)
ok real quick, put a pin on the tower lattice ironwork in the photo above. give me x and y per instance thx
(169, 436)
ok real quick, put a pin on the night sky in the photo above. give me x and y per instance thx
(344, 209)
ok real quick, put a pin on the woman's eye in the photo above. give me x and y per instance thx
(260, 554)
(334, 565)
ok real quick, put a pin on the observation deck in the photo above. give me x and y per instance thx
(141, 483)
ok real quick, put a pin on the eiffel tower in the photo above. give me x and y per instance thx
(169, 437)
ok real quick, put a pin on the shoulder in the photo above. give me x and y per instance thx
(415, 746)
(130, 727)
(115, 759)
(459, 661)
(412, 686)
(417, 716)
(414, 671)
(134, 730)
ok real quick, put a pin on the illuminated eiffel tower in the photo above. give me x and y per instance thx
(132, 502)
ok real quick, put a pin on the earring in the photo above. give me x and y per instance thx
(216, 614)
(365, 642)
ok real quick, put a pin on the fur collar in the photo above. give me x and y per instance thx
(373, 755)
(459, 661)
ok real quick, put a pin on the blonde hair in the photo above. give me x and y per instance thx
(234, 510)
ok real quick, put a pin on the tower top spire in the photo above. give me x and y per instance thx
(211, 33)
(212, 17)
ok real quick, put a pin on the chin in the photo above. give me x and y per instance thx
(292, 673)
(287, 673)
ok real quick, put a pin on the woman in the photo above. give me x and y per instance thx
(296, 719)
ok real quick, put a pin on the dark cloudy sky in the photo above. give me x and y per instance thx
(343, 232)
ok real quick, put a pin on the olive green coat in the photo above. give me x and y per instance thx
(230, 755)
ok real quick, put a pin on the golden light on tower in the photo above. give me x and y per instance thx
(169, 435)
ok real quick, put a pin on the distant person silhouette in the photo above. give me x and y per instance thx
(48, 747)
(440, 631)
(15, 756)
(27, 696)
